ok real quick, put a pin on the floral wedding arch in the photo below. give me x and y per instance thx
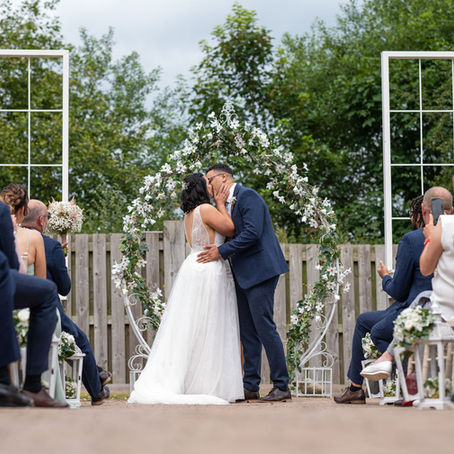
(224, 139)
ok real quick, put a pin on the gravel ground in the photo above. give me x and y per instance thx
(304, 425)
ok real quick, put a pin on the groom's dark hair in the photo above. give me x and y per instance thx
(221, 168)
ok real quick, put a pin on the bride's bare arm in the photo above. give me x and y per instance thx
(217, 219)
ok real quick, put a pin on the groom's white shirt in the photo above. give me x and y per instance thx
(229, 199)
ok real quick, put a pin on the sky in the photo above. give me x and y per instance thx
(166, 33)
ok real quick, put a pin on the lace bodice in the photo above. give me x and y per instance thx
(199, 234)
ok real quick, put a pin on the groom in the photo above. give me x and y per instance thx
(257, 261)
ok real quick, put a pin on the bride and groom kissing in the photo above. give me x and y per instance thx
(224, 292)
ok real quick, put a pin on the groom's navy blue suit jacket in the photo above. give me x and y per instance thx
(254, 251)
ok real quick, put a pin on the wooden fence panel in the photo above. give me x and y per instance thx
(82, 279)
(312, 251)
(118, 319)
(382, 299)
(348, 310)
(153, 268)
(364, 284)
(100, 299)
(174, 252)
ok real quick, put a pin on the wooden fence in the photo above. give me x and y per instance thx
(96, 305)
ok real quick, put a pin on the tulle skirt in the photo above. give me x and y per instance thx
(195, 357)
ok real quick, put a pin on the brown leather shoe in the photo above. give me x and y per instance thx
(249, 395)
(351, 397)
(277, 395)
(42, 399)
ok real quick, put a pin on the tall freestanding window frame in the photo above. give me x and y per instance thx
(425, 114)
(37, 119)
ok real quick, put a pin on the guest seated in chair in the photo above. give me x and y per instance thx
(438, 253)
(403, 287)
(40, 296)
(94, 378)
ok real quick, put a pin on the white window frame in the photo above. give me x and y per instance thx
(387, 165)
(29, 54)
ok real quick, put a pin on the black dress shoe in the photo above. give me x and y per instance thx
(105, 376)
(101, 397)
(11, 397)
(351, 397)
(277, 395)
(249, 395)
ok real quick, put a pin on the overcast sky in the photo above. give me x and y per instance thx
(166, 32)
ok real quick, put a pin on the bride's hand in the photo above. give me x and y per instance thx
(221, 195)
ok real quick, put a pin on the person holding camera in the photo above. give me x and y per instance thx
(406, 284)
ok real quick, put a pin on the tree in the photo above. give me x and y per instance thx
(328, 86)
(115, 137)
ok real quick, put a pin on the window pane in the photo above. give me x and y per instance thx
(46, 138)
(14, 82)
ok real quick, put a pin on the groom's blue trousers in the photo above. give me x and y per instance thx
(257, 328)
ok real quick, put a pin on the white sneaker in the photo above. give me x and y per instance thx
(377, 371)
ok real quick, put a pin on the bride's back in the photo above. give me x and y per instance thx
(198, 233)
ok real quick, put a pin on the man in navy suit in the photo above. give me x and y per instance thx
(94, 378)
(403, 287)
(9, 349)
(39, 295)
(257, 261)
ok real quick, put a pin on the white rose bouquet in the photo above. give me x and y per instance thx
(65, 217)
(369, 349)
(431, 389)
(21, 318)
(67, 346)
(411, 325)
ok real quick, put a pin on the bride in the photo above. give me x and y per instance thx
(195, 357)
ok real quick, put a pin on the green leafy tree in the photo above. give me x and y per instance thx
(116, 135)
(328, 86)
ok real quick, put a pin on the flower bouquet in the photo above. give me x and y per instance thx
(66, 347)
(65, 217)
(411, 325)
(369, 349)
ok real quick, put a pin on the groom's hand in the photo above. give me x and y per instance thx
(210, 255)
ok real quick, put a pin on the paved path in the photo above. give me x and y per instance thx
(305, 425)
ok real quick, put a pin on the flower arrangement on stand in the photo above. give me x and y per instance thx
(66, 346)
(224, 139)
(431, 387)
(412, 324)
(21, 320)
(369, 349)
(70, 388)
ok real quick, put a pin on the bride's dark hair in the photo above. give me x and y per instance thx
(194, 192)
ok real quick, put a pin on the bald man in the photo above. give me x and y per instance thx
(94, 378)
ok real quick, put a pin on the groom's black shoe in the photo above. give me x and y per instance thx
(249, 395)
(101, 397)
(277, 395)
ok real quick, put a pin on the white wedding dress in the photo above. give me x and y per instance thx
(195, 358)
